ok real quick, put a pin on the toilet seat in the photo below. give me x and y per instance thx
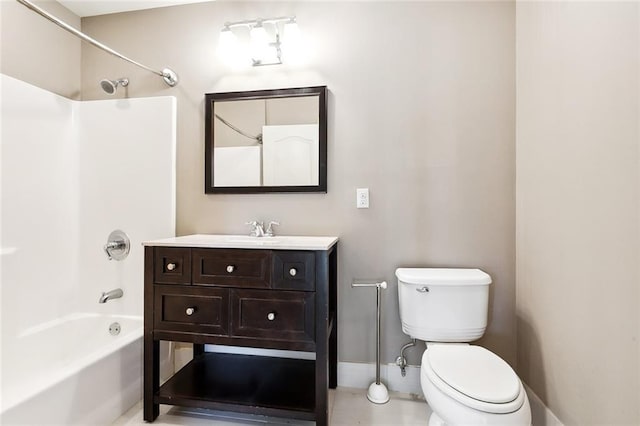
(473, 376)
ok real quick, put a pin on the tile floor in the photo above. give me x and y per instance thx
(346, 407)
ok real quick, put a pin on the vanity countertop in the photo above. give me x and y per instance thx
(284, 242)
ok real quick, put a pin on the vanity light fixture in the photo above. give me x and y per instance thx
(266, 40)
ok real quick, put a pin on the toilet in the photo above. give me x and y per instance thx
(462, 383)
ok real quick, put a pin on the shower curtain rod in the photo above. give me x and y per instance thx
(170, 77)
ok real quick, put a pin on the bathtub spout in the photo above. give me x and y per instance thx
(113, 294)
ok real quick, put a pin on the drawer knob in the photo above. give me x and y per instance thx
(230, 268)
(171, 266)
(271, 316)
(293, 272)
(190, 311)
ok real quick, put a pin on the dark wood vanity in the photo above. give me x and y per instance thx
(218, 291)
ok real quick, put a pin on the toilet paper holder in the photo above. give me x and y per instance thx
(377, 392)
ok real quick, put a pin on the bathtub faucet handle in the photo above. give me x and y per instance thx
(118, 245)
(112, 245)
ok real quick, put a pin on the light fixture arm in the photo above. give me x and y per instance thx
(253, 22)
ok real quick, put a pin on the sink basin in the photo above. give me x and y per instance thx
(260, 241)
(280, 242)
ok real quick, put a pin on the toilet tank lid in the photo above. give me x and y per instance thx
(443, 276)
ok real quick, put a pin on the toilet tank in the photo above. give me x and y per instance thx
(443, 305)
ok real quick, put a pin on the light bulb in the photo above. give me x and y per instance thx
(230, 49)
(292, 44)
(291, 32)
(227, 38)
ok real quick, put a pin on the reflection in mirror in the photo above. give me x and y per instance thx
(266, 141)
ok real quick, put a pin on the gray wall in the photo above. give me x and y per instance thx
(578, 208)
(421, 111)
(37, 51)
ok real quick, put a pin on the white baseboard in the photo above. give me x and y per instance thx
(540, 413)
(360, 375)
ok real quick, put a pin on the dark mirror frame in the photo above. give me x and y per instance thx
(212, 98)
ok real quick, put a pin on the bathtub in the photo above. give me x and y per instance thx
(72, 370)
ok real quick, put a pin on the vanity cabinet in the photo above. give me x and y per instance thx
(282, 297)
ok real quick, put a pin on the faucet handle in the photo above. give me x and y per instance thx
(254, 227)
(107, 250)
(118, 245)
(253, 224)
(269, 232)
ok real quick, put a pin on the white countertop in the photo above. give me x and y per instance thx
(283, 242)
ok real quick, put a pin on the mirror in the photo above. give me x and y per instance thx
(266, 141)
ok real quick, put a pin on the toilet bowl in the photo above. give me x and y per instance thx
(469, 385)
(462, 383)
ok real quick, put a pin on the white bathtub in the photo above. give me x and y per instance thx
(73, 371)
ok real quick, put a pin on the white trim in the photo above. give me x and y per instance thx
(360, 375)
(540, 413)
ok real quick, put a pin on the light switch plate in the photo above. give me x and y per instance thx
(362, 198)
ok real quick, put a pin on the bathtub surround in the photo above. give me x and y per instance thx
(71, 174)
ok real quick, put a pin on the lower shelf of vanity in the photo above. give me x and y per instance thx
(269, 386)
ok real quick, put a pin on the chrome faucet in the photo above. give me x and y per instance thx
(112, 246)
(269, 232)
(118, 245)
(257, 228)
(113, 294)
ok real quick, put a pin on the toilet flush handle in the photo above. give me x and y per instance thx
(422, 290)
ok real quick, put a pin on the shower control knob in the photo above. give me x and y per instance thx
(171, 266)
(271, 316)
(230, 268)
(293, 272)
(190, 311)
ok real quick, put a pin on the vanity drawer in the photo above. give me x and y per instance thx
(294, 270)
(232, 268)
(191, 309)
(172, 265)
(273, 315)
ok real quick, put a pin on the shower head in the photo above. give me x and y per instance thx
(110, 86)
